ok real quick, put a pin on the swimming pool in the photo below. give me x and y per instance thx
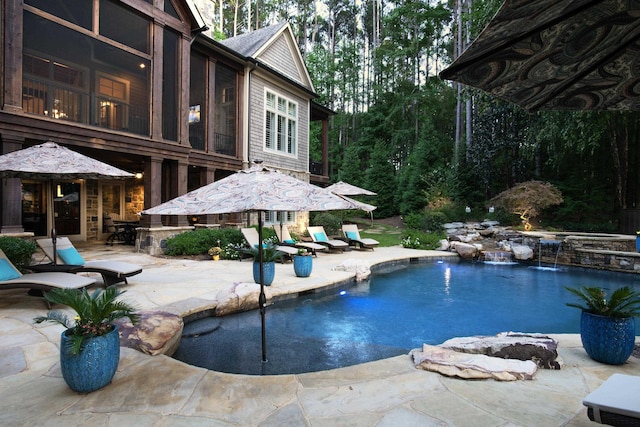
(398, 309)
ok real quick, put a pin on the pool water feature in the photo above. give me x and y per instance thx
(392, 313)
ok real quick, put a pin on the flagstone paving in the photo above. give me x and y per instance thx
(160, 391)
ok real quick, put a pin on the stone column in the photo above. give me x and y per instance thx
(11, 192)
(152, 191)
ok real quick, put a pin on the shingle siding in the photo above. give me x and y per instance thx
(299, 162)
(279, 57)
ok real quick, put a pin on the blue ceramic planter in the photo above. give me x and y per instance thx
(95, 366)
(302, 265)
(606, 339)
(269, 272)
(637, 243)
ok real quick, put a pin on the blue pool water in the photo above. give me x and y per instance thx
(397, 310)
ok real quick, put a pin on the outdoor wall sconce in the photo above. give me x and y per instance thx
(139, 175)
(467, 209)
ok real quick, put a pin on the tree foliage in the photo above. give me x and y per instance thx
(528, 199)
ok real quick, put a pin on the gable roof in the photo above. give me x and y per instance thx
(249, 44)
(276, 49)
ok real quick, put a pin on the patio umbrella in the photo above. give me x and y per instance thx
(51, 161)
(559, 55)
(255, 189)
(345, 189)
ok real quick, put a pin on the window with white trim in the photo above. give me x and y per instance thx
(281, 124)
(277, 217)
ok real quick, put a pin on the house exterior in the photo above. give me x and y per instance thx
(139, 84)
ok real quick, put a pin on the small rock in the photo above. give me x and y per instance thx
(471, 366)
(360, 267)
(539, 348)
(157, 332)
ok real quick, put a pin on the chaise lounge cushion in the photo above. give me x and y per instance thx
(7, 270)
(320, 237)
(70, 256)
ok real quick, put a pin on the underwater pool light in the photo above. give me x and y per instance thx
(342, 293)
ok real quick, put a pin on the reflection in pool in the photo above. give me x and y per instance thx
(397, 310)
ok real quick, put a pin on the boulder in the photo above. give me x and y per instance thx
(361, 268)
(522, 252)
(471, 366)
(540, 349)
(157, 332)
(239, 297)
(443, 245)
(465, 250)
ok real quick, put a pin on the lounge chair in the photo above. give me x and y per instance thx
(615, 402)
(318, 235)
(285, 239)
(252, 238)
(12, 278)
(352, 234)
(112, 271)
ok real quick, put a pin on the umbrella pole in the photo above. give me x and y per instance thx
(262, 300)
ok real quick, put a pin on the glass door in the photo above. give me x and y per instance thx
(34, 207)
(66, 208)
(112, 197)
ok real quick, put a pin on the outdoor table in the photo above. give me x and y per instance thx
(128, 230)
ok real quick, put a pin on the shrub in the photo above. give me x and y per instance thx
(19, 251)
(414, 221)
(198, 242)
(330, 222)
(434, 220)
(416, 239)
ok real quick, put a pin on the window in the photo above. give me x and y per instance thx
(277, 217)
(224, 138)
(72, 76)
(113, 97)
(281, 118)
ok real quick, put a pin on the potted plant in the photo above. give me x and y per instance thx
(90, 346)
(302, 263)
(638, 241)
(215, 252)
(607, 326)
(270, 254)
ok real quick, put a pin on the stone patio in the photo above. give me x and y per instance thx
(160, 391)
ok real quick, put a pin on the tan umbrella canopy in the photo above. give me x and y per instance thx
(346, 189)
(51, 161)
(559, 55)
(255, 189)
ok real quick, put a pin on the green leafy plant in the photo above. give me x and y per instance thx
(199, 241)
(303, 252)
(19, 251)
(95, 313)
(270, 252)
(624, 302)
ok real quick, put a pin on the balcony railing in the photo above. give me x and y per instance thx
(65, 103)
(224, 144)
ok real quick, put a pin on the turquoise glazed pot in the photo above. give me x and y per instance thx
(637, 243)
(95, 366)
(269, 272)
(302, 265)
(607, 339)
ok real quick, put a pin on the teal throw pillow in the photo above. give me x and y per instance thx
(320, 237)
(290, 241)
(352, 235)
(70, 256)
(7, 272)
